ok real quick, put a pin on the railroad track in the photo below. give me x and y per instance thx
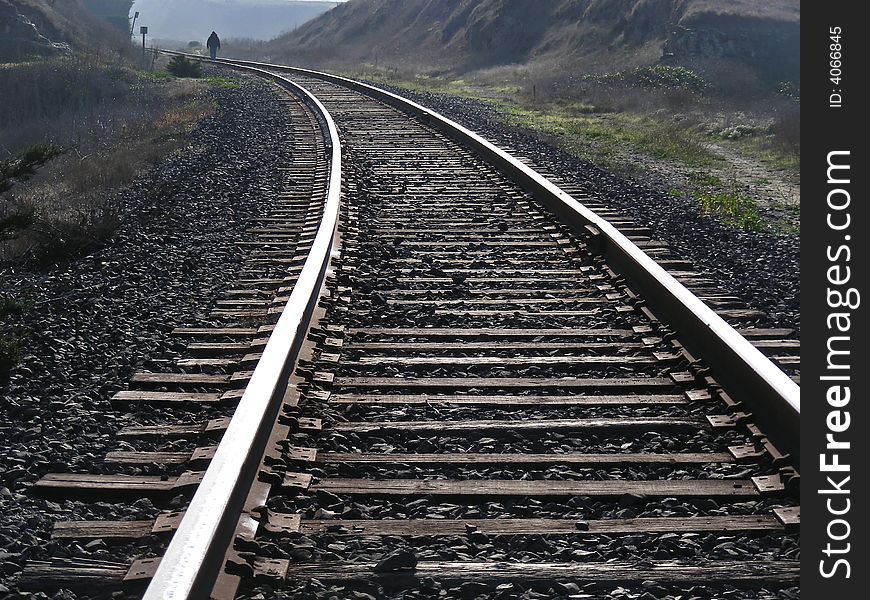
(475, 388)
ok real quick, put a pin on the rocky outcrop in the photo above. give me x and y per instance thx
(22, 33)
(49, 27)
(769, 48)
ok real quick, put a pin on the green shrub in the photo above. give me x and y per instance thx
(11, 306)
(737, 132)
(660, 77)
(39, 154)
(24, 165)
(180, 66)
(16, 219)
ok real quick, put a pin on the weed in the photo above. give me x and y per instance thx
(12, 306)
(732, 207)
(71, 207)
(770, 150)
(787, 129)
(223, 82)
(10, 354)
(607, 135)
(180, 66)
(787, 219)
(598, 134)
(64, 238)
(701, 178)
(665, 141)
(59, 87)
(582, 108)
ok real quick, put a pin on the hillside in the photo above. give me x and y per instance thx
(48, 27)
(461, 35)
(186, 20)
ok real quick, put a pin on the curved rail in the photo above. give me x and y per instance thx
(742, 369)
(196, 553)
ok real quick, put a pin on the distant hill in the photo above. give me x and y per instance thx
(187, 20)
(460, 35)
(49, 27)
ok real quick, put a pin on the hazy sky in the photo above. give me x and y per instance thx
(184, 20)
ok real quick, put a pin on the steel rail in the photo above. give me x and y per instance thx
(196, 552)
(742, 370)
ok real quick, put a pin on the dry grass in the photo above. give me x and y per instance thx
(787, 129)
(68, 205)
(70, 101)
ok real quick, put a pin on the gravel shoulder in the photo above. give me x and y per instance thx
(774, 187)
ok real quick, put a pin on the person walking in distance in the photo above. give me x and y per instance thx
(214, 44)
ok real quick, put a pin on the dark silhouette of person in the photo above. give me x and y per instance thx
(214, 44)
